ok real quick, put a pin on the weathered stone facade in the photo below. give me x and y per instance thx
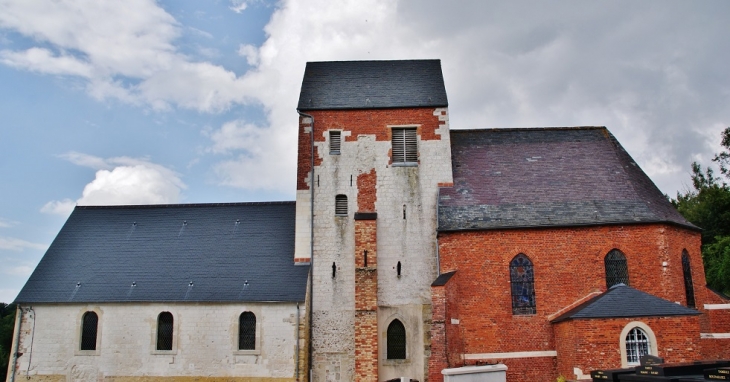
(404, 199)
(205, 346)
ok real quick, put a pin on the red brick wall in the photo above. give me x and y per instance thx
(595, 344)
(366, 301)
(366, 191)
(568, 264)
(437, 361)
(370, 121)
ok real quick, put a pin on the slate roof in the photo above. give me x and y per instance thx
(623, 301)
(372, 84)
(230, 252)
(541, 177)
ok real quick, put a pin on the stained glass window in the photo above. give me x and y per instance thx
(688, 287)
(89, 324)
(396, 340)
(637, 344)
(522, 279)
(247, 331)
(617, 271)
(164, 331)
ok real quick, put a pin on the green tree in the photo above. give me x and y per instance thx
(7, 325)
(708, 207)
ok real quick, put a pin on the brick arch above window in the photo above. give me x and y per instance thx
(632, 344)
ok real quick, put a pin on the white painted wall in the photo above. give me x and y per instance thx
(205, 341)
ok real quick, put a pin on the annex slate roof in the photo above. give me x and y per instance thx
(230, 252)
(372, 85)
(623, 301)
(541, 177)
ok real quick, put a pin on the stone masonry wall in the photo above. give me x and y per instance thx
(404, 198)
(205, 343)
(568, 265)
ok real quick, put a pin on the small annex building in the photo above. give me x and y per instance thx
(144, 293)
(411, 248)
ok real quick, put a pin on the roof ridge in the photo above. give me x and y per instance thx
(183, 205)
(534, 128)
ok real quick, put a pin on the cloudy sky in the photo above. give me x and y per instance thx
(142, 101)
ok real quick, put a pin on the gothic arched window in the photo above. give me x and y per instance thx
(396, 341)
(522, 280)
(89, 325)
(164, 331)
(617, 271)
(689, 290)
(247, 331)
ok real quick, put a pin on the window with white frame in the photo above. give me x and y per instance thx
(637, 345)
(404, 145)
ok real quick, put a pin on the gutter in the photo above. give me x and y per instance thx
(311, 238)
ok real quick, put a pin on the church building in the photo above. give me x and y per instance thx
(412, 250)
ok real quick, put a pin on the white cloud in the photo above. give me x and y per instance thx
(238, 6)
(122, 180)
(17, 245)
(5, 223)
(59, 207)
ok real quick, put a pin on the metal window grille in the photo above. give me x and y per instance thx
(341, 205)
(247, 331)
(335, 139)
(617, 272)
(688, 286)
(637, 345)
(396, 346)
(164, 331)
(522, 280)
(405, 145)
(89, 324)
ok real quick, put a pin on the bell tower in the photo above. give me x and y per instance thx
(373, 150)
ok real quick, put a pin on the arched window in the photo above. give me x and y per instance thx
(617, 272)
(689, 290)
(637, 344)
(341, 205)
(89, 324)
(247, 331)
(164, 331)
(396, 340)
(522, 279)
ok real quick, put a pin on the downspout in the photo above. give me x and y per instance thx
(438, 256)
(311, 238)
(16, 345)
(297, 363)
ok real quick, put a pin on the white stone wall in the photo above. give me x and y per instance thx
(205, 341)
(412, 241)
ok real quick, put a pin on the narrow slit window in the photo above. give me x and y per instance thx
(522, 280)
(404, 145)
(247, 331)
(164, 331)
(396, 341)
(89, 326)
(341, 205)
(688, 287)
(334, 270)
(617, 270)
(398, 268)
(365, 258)
(335, 139)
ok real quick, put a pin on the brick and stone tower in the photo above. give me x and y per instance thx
(373, 150)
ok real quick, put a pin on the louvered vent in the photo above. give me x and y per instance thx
(405, 146)
(341, 205)
(335, 139)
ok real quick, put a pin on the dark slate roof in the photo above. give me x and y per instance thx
(443, 279)
(623, 301)
(230, 252)
(372, 85)
(540, 177)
